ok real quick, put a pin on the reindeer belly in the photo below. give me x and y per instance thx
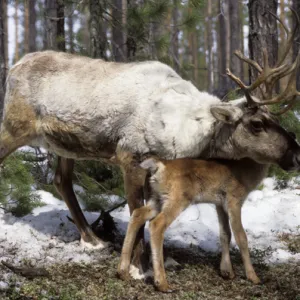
(210, 197)
(73, 141)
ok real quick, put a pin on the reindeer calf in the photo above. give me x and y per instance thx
(175, 185)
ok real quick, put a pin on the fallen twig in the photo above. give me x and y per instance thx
(27, 272)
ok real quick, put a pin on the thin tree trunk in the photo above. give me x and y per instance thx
(262, 32)
(5, 28)
(296, 7)
(97, 32)
(84, 24)
(174, 34)
(2, 60)
(51, 24)
(71, 32)
(61, 40)
(124, 23)
(32, 26)
(117, 31)
(227, 25)
(223, 41)
(241, 17)
(235, 63)
(16, 18)
(195, 58)
(209, 48)
(26, 26)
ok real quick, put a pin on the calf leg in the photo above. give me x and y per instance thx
(139, 217)
(225, 237)
(157, 228)
(234, 210)
(63, 184)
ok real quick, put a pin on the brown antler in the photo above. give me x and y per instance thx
(270, 76)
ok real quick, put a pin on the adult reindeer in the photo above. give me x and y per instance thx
(81, 108)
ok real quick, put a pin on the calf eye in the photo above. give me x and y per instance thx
(257, 125)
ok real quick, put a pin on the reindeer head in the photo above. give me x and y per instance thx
(249, 128)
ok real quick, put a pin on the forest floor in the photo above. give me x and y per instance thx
(197, 277)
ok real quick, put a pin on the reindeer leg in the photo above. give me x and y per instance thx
(63, 184)
(225, 237)
(234, 210)
(138, 218)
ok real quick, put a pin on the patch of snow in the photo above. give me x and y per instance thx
(266, 214)
(47, 236)
(3, 285)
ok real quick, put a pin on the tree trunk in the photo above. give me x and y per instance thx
(5, 28)
(32, 25)
(16, 18)
(262, 32)
(61, 40)
(71, 31)
(26, 26)
(84, 24)
(117, 31)
(222, 52)
(209, 47)
(195, 57)
(51, 24)
(241, 17)
(97, 32)
(174, 34)
(296, 6)
(2, 60)
(235, 63)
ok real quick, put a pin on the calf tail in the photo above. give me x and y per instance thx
(150, 164)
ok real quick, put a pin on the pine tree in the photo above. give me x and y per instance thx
(32, 26)
(262, 32)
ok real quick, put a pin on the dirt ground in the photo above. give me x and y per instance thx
(196, 278)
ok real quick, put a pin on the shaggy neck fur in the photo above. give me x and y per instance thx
(221, 144)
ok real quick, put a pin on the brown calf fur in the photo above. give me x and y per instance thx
(176, 184)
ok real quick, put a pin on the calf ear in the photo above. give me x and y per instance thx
(226, 113)
(149, 164)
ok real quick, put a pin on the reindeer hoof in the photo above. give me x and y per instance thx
(94, 244)
(164, 288)
(124, 275)
(227, 274)
(253, 278)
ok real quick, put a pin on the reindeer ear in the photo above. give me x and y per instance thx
(226, 113)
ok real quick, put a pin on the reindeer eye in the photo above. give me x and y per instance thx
(257, 125)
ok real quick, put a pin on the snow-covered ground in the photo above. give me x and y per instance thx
(47, 236)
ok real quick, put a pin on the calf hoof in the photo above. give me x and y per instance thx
(227, 274)
(124, 275)
(253, 278)
(164, 287)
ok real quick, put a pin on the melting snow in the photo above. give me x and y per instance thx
(46, 235)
